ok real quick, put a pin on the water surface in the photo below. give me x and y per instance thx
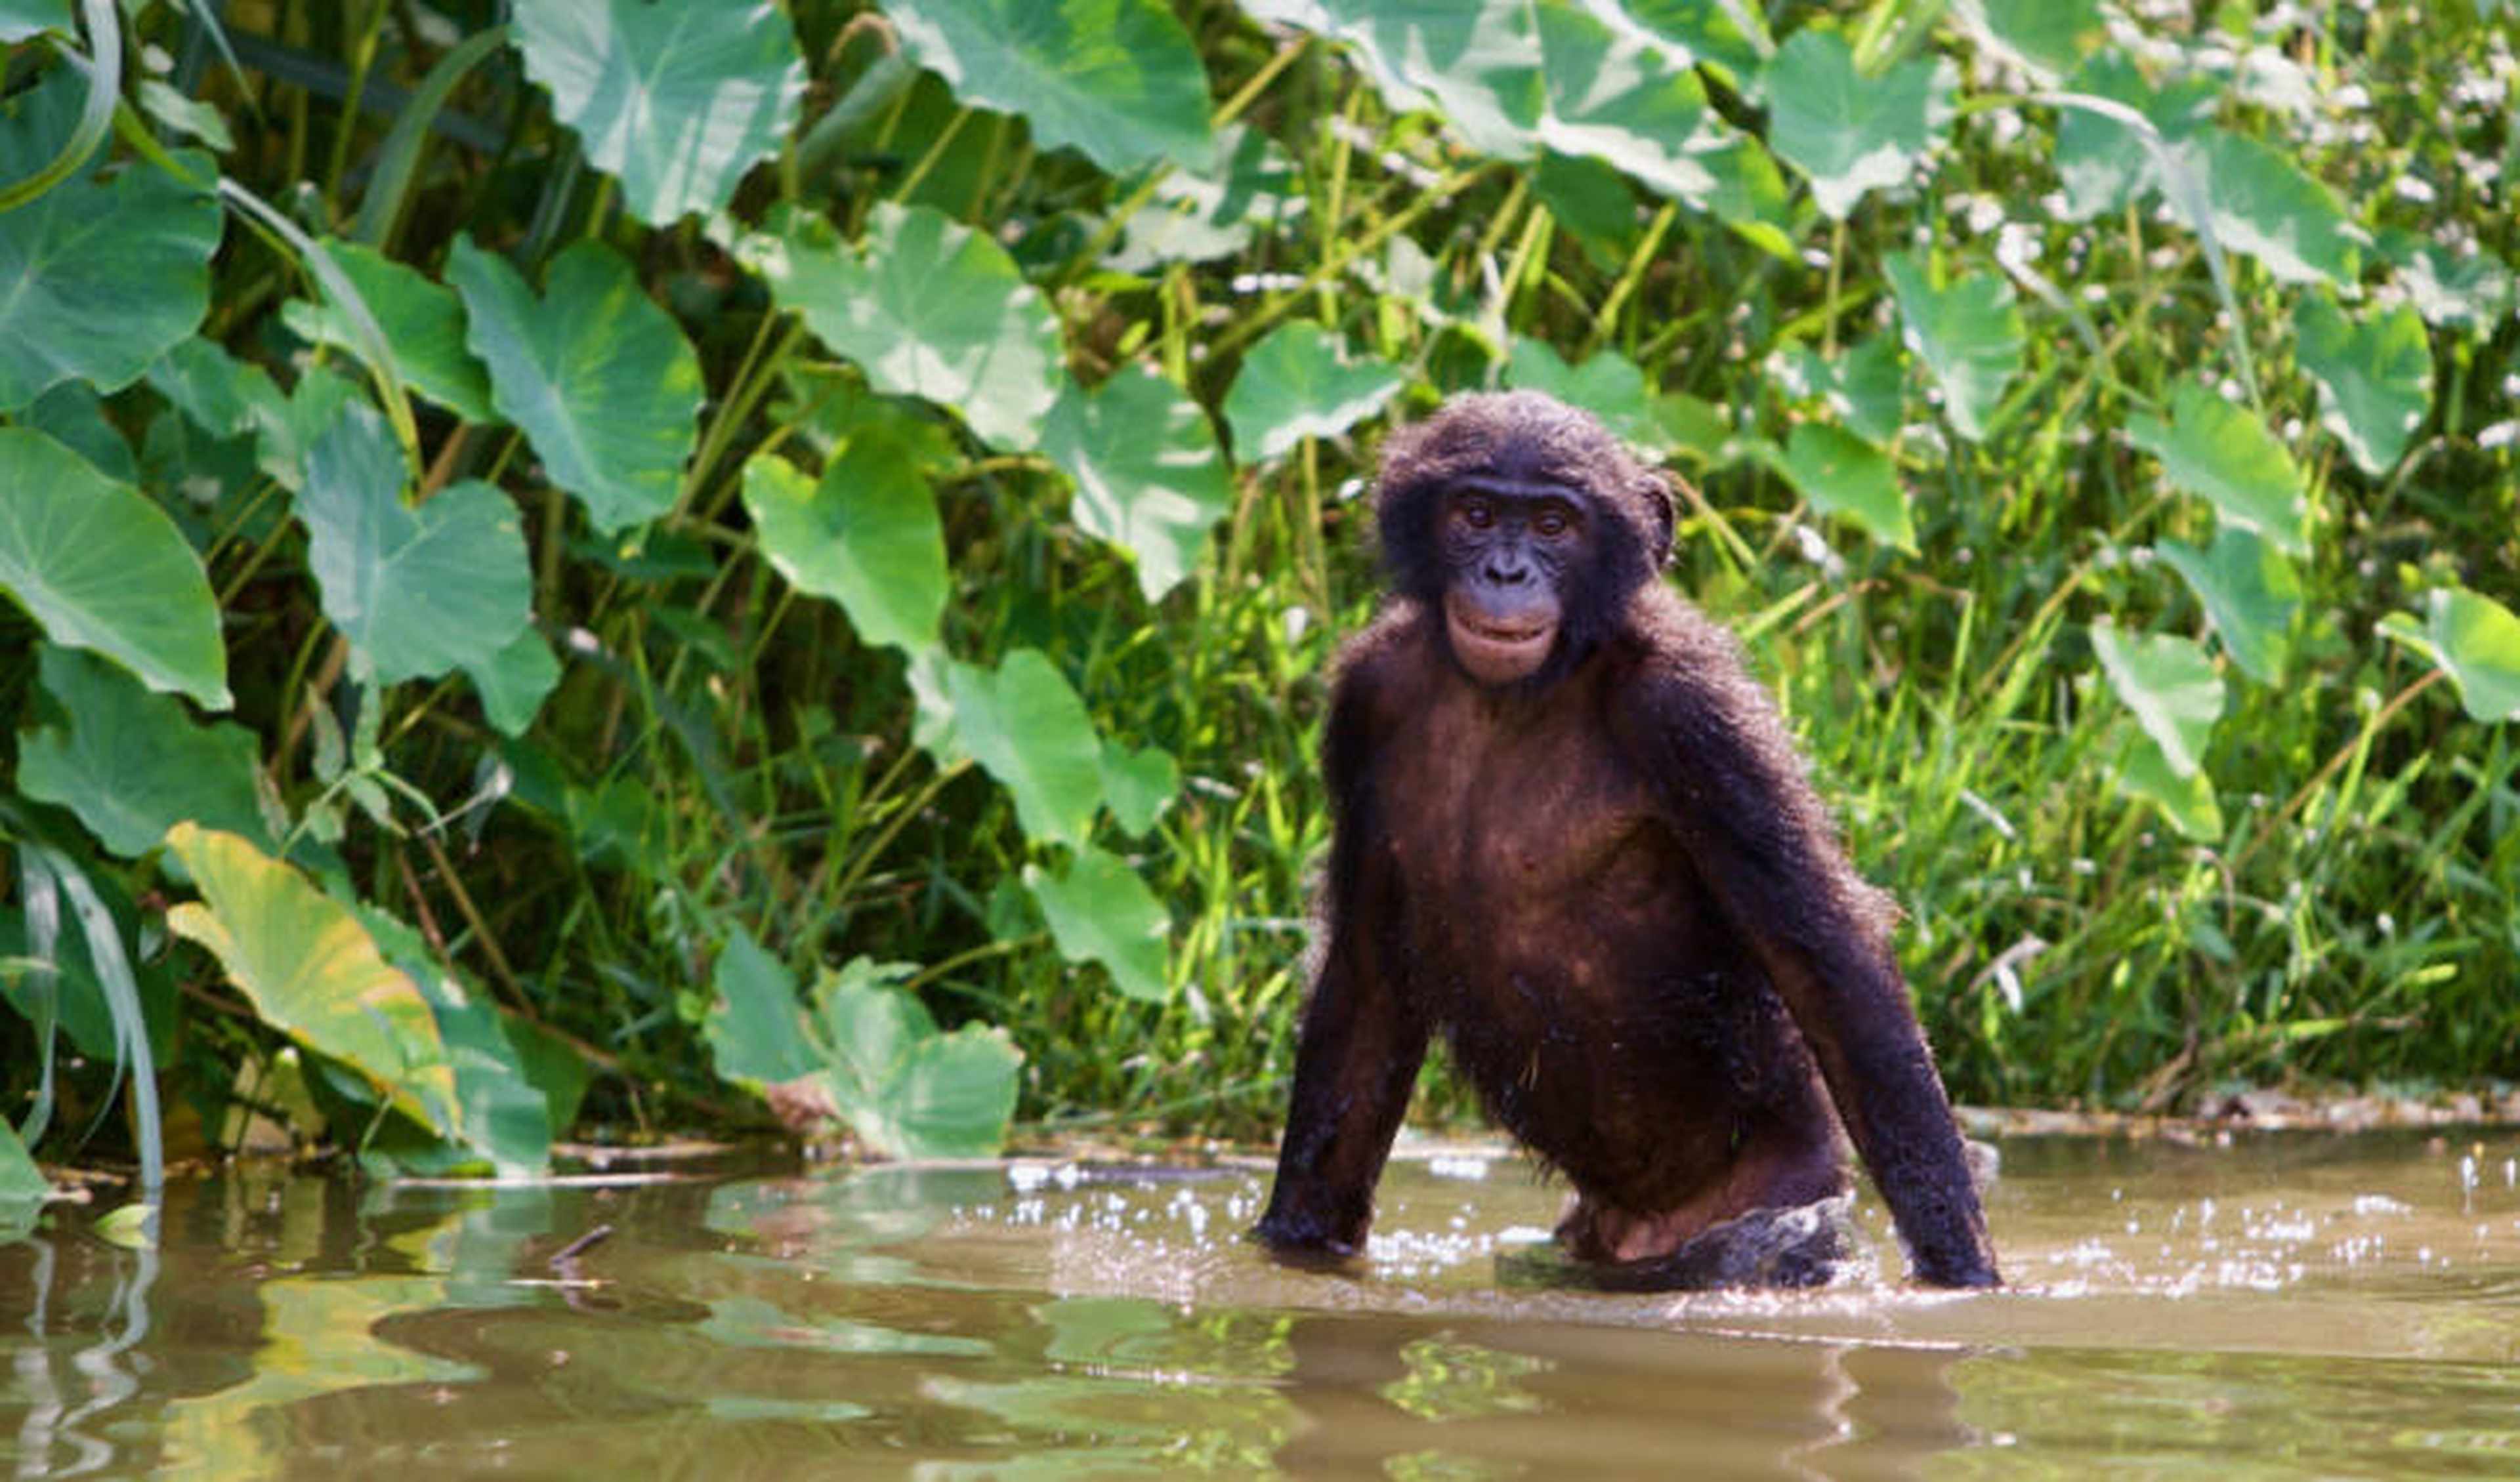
(2293, 1305)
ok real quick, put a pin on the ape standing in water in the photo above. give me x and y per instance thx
(1572, 834)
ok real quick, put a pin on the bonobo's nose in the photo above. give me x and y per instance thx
(1507, 573)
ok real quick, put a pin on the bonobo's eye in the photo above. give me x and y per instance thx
(1475, 513)
(1553, 522)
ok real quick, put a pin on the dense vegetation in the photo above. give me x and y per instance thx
(572, 561)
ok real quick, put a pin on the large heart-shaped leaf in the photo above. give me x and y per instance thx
(313, 973)
(2188, 802)
(2476, 640)
(1117, 80)
(2375, 378)
(1848, 132)
(2264, 204)
(678, 101)
(599, 377)
(1968, 334)
(1139, 784)
(1197, 217)
(864, 534)
(1149, 478)
(132, 764)
(1865, 386)
(1026, 726)
(422, 320)
(514, 682)
(1607, 384)
(2250, 592)
(932, 309)
(754, 1019)
(2170, 684)
(416, 591)
(2049, 37)
(1300, 383)
(906, 1089)
(1100, 911)
(101, 277)
(507, 1119)
(2471, 289)
(99, 566)
(2225, 453)
(2103, 160)
(1841, 474)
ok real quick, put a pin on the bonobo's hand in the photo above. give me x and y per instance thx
(1295, 1240)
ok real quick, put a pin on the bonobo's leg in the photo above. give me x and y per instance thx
(1780, 1217)
(1356, 1061)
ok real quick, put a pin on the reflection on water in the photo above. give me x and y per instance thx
(2295, 1306)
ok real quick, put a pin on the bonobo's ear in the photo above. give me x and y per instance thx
(1656, 489)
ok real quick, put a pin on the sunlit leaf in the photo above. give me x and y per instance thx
(598, 376)
(2265, 206)
(2476, 640)
(2050, 35)
(1199, 216)
(417, 591)
(1864, 385)
(1300, 383)
(755, 1021)
(423, 320)
(932, 309)
(864, 534)
(1026, 726)
(99, 566)
(2471, 290)
(676, 100)
(906, 1089)
(1139, 784)
(25, 20)
(1607, 384)
(104, 274)
(1848, 132)
(2187, 801)
(2250, 592)
(1100, 911)
(1841, 474)
(507, 1121)
(2221, 451)
(1118, 80)
(1725, 34)
(2375, 376)
(1968, 334)
(132, 764)
(2101, 162)
(515, 681)
(313, 973)
(2170, 684)
(1149, 476)
(22, 1186)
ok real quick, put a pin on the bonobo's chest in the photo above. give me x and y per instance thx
(1491, 807)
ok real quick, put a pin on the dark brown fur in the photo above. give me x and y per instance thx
(1613, 890)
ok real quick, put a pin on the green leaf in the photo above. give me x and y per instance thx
(2265, 206)
(1199, 216)
(2049, 37)
(416, 591)
(26, 19)
(312, 972)
(1725, 34)
(72, 415)
(677, 101)
(1848, 132)
(1101, 911)
(132, 764)
(932, 309)
(507, 1120)
(2170, 684)
(2476, 640)
(2470, 290)
(514, 682)
(422, 320)
(2375, 378)
(755, 1023)
(1968, 335)
(1299, 383)
(2250, 592)
(1026, 728)
(598, 378)
(2103, 161)
(99, 566)
(865, 535)
(186, 115)
(1149, 476)
(1864, 387)
(1117, 80)
(2223, 452)
(1139, 784)
(2144, 773)
(139, 241)
(1841, 474)
(1607, 384)
(217, 390)
(23, 1188)
(906, 1089)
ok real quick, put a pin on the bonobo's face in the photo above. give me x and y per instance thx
(1511, 549)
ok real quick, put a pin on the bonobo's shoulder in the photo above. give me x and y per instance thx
(1384, 665)
(1670, 650)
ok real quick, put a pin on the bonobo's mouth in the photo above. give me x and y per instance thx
(1498, 651)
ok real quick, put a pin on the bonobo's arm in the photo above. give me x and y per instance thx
(1362, 1041)
(1746, 813)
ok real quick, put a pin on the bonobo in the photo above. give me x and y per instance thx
(1573, 835)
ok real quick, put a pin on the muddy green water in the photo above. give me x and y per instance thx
(2290, 1306)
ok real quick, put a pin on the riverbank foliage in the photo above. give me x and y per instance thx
(580, 565)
